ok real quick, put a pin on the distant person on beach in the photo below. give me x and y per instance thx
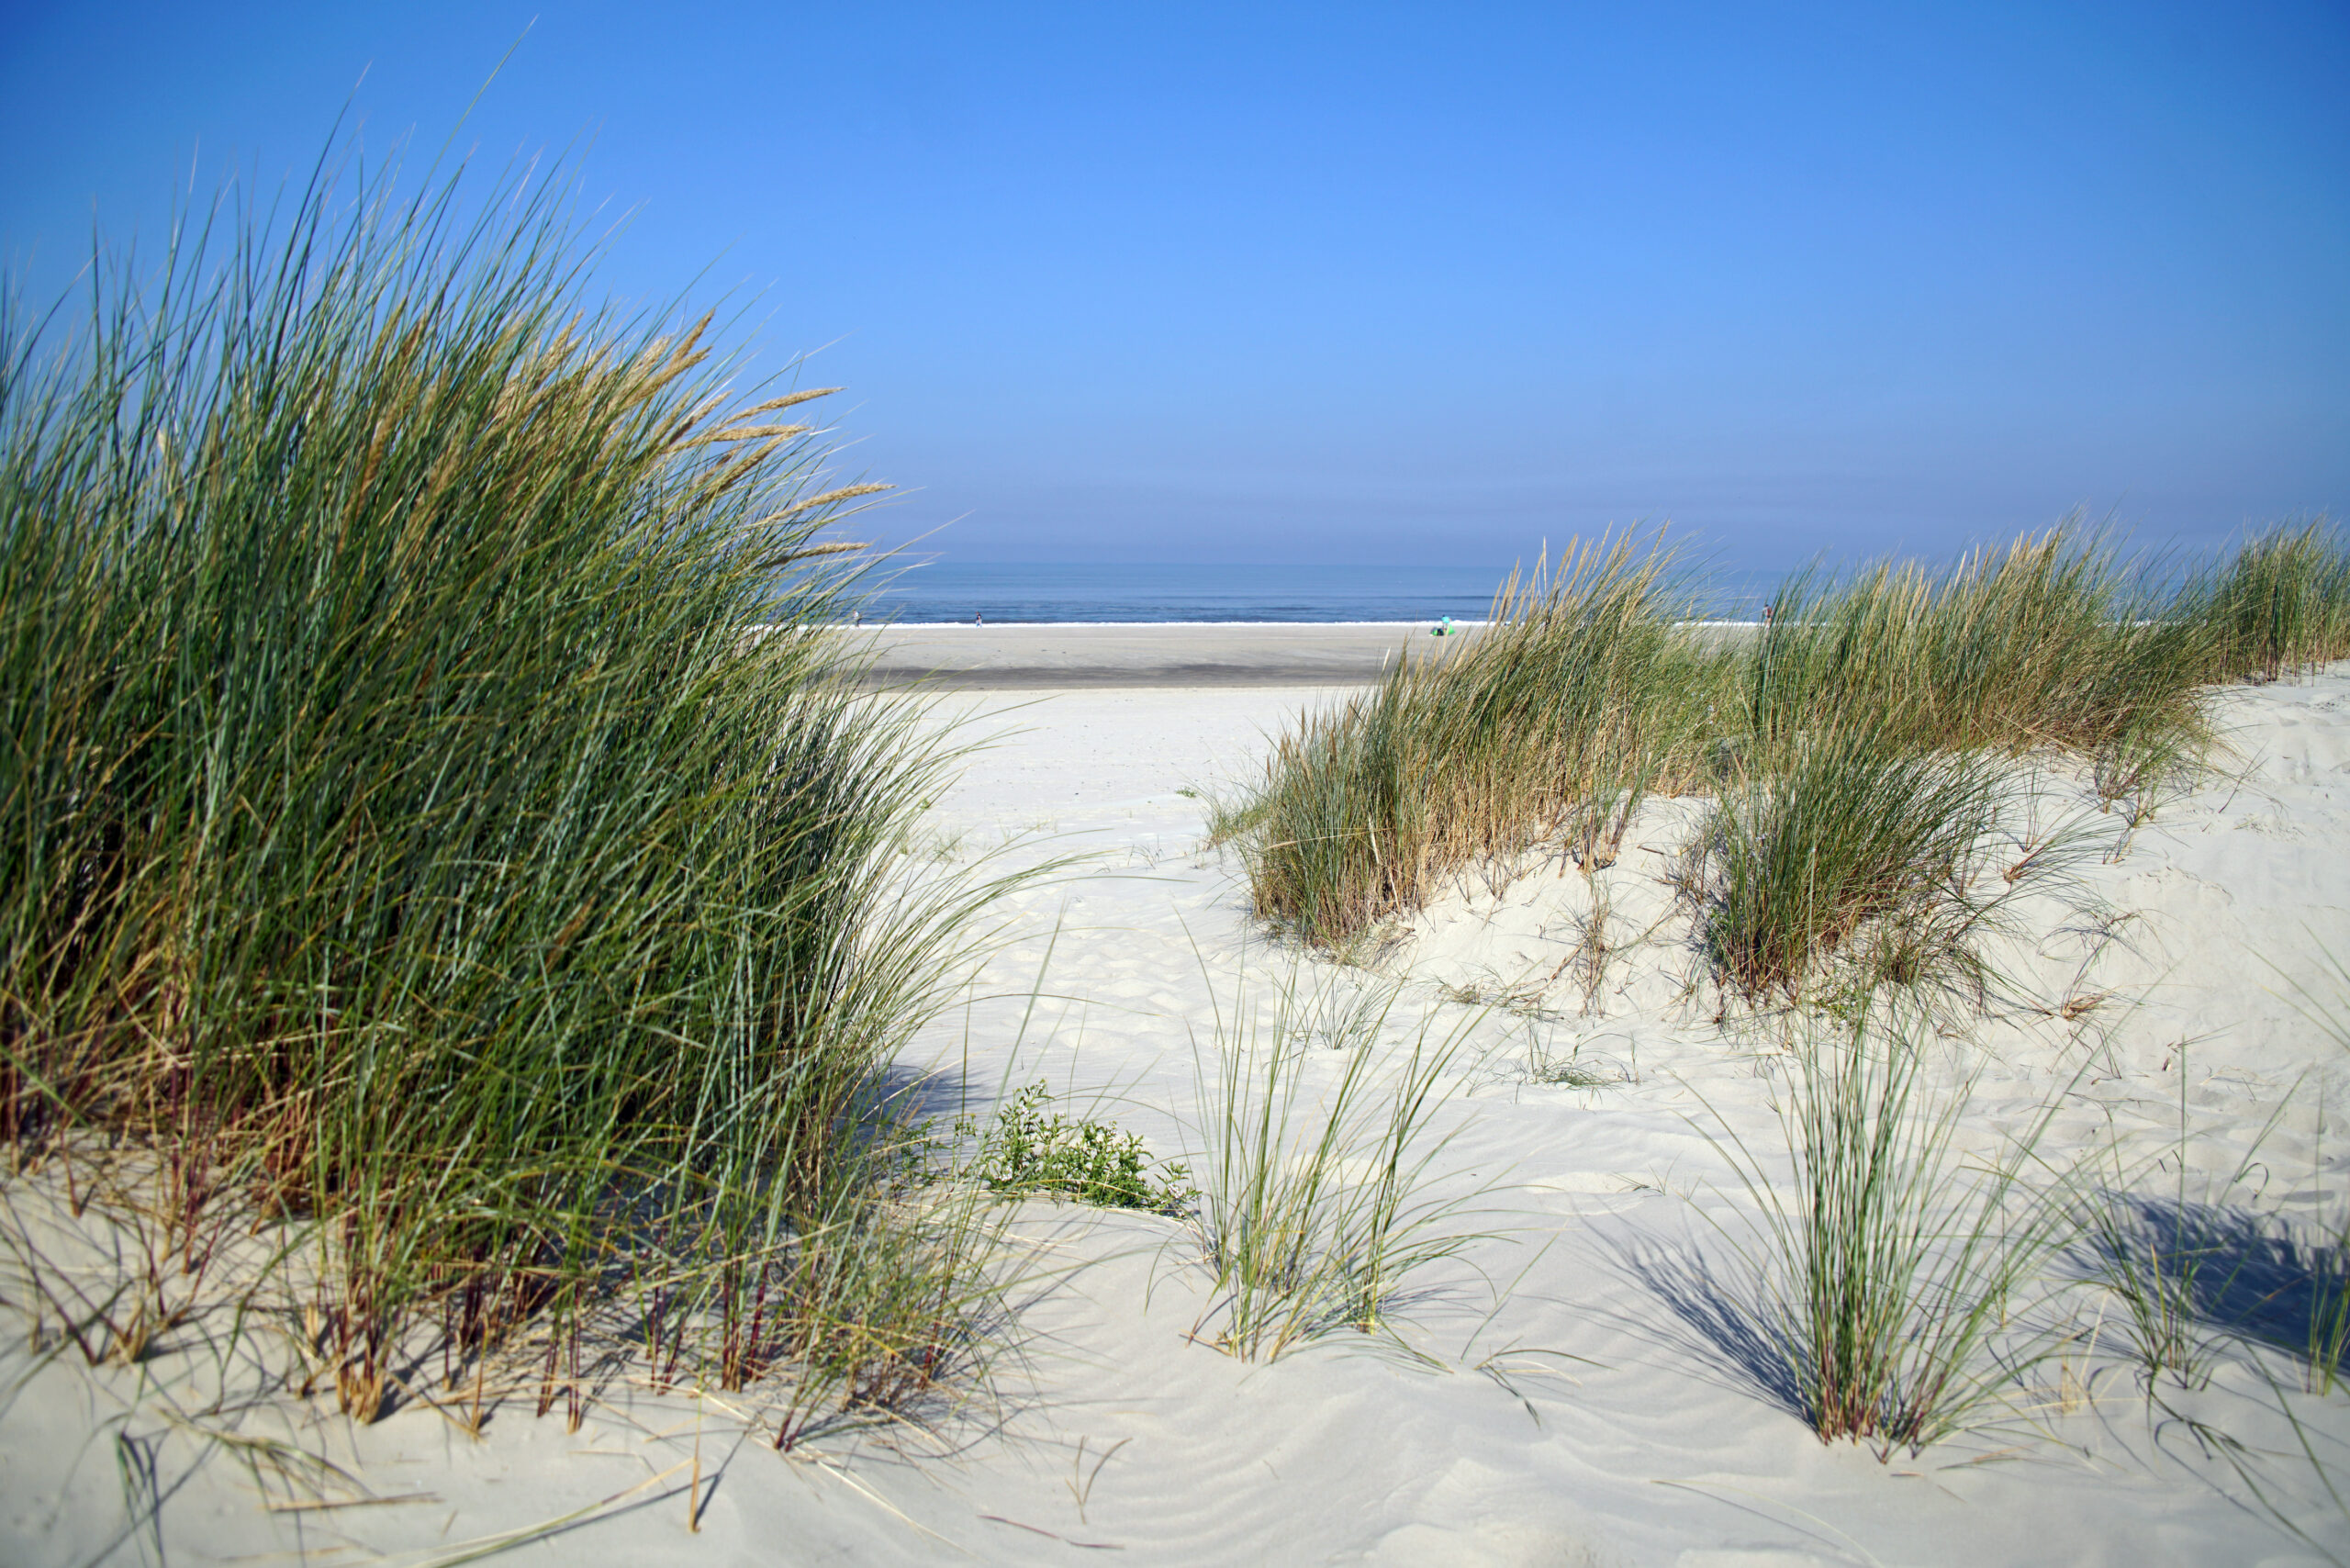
(1766, 613)
(857, 618)
(978, 619)
(1443, 631)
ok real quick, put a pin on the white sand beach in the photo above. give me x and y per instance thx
(671, 891)
(1572, 1387)
(1079, 656)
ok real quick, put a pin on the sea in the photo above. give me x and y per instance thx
(942, 592)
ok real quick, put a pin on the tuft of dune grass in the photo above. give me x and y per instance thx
(2280, 607)
(1581, 697)
(400, 832)
(1595, 687)
(2052, 644)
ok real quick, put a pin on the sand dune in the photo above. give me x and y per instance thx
(1580, 1395)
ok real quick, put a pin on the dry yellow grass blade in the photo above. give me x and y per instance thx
(830, 498)
(740, 433)
(788, 400)
(836, 547)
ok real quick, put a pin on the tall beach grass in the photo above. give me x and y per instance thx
(2280, 607)
(2055, 643)
(1870, 753)
(1855, 856)
(405, 840)
(1553, 723)
(1856, 741)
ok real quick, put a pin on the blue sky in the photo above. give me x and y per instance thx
(1382, 283)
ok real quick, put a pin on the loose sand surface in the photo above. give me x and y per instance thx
(1576, 1387)
(1059, 657)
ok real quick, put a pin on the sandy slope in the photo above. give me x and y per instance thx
(1594, 1412)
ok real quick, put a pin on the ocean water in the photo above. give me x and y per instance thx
(945, 590)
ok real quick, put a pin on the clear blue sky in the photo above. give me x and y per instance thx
(1387, 284)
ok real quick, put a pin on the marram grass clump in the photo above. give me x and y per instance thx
(404, 837)
(1580, 697)
(1854, 851)
(1897, 1276)
(1857, 742)
(2053, 643)
(2280, 607)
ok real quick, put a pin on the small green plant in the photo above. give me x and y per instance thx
(1568, 1071)
(2325, 1253)
(2155, 1263)
(2329, 1326)
(1588, 958)
(1521, 1000)
(1033, 1148)
(1855, 840)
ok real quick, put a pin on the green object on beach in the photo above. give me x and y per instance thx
(1032, 1148)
